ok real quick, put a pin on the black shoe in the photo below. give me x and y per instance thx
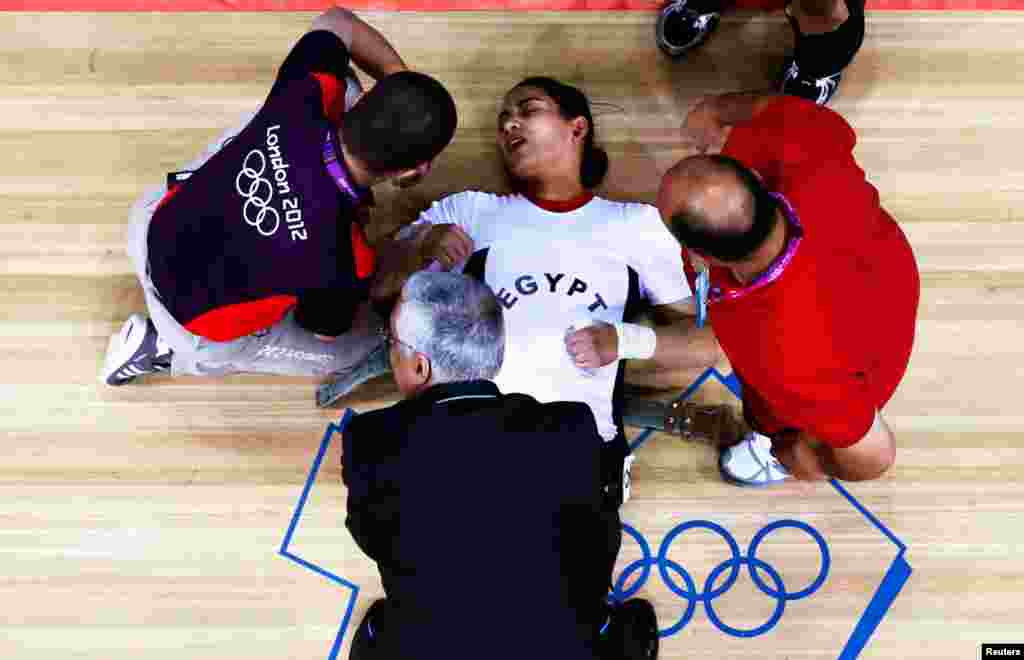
(680, 29)
(135, 351)
(632, 633)
(794, 83)
(365, 640)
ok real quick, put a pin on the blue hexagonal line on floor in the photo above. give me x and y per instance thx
(338, 428)
(892, 582)
(896, 576)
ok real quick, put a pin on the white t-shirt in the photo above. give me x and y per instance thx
(553, 270)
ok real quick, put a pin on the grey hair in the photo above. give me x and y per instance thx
(456, 322)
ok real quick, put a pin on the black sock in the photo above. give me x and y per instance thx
(706, 6)
(820, 55)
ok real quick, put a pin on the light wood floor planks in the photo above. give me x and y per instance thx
(144, 521)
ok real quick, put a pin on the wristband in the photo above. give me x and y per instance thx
(636, 342)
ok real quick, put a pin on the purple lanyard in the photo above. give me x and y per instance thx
(774, 271)
(337, 172)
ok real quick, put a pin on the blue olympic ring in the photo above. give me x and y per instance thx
(666, 566)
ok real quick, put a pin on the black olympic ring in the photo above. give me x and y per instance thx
(252, 196)
(690, 594)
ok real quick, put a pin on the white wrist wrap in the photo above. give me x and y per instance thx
(636, 342)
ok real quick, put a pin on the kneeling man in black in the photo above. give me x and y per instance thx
(485, 512)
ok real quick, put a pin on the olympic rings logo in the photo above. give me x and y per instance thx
(257, 195)
(710, 592)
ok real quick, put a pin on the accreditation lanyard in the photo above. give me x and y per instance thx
(708, 293)
(338, 173)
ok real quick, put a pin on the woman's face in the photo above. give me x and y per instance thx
(534, 138)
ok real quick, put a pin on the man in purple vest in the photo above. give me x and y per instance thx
(254, 259)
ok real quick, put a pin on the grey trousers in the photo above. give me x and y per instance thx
(283, 349)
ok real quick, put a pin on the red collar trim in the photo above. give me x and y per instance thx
(557, 206)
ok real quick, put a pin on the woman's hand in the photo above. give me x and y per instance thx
(593, 346)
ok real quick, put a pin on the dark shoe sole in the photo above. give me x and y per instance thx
(679, 52)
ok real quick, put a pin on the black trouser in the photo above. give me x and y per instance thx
(612, 456)
(817, 55)
(365, 643)
(365, 647)
(820, 55)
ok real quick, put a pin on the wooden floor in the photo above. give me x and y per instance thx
(144, 522)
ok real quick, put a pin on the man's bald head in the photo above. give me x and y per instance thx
(717, 206)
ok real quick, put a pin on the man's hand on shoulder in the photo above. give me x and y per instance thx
(368, 48)
(448, 244)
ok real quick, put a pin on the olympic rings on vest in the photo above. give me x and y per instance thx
(257, 191)
(688, 591)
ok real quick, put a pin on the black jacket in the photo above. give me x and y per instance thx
(484, 514)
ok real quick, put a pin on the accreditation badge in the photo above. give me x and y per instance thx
(703, 284)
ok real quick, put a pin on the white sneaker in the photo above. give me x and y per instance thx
(796, 83)
(134, 351)
(750, 463)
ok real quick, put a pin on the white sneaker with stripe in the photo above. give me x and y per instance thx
(134, 351)
(750, 463)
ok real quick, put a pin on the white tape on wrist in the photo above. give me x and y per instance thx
(636, 342)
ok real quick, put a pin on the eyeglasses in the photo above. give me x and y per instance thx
(390, 339)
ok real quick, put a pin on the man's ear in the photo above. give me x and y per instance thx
(410, 177)
(423, 370)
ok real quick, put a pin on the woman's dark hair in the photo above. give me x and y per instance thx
(406, 119)
(573, 103)
(694, 229)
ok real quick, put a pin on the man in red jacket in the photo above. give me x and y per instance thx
(813, 286)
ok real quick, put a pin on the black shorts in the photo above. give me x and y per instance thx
(820, 55)
(613, 455)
